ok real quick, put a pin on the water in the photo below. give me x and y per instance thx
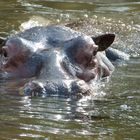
(115, 116)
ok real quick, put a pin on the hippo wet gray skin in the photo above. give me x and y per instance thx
(63, 61)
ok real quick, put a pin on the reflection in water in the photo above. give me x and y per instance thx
(112, 115)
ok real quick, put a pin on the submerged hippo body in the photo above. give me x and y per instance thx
(64, 62)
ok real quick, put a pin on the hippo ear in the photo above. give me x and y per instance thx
(104, 41)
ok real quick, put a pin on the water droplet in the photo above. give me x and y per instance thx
(124, 107)
(85, 15)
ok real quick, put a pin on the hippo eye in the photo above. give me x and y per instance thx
(94, 53)
(95, 50)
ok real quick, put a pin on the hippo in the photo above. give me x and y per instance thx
(61, 61)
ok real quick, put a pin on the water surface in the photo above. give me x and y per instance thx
(115, 114)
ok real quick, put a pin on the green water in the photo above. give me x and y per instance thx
(115, 116)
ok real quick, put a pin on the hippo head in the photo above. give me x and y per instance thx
(17, 58)
(84, 57)
(21, 58)
(54, 55)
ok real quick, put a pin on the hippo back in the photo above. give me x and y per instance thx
(50, 35)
